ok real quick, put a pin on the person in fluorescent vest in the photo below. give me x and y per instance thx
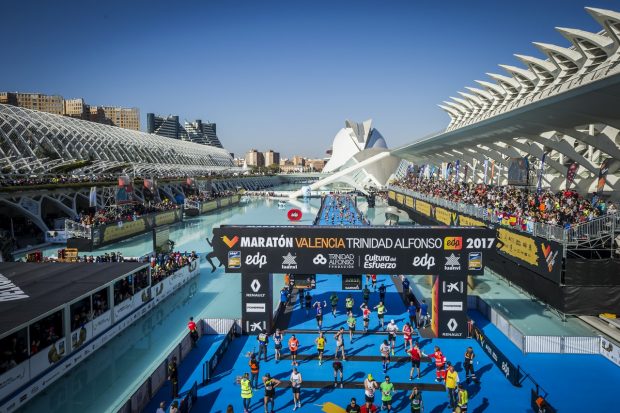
(246, 392)
(462, 398)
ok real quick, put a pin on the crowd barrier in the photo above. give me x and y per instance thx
(232, 329)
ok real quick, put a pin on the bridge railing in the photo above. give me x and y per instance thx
(77, 230)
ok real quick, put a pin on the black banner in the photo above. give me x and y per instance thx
(257, 303)
(518, 172)
(451, 306)
(338, 250)
(305, 281)
(512, 373)
(352, 282)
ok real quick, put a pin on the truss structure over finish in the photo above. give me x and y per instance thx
(33, 142)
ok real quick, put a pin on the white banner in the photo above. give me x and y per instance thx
(611, 351)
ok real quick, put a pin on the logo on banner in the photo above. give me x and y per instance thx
(379, 262)
(453, 243)
(255, 308)
(258, 326)
(234, 259)
(452, 325)
(319, 260)
(475, 261)
(255, 285)
(457, 286)
(424, 261)
(294, 214)
(341, 261)
(230, 242)
(549, 256)
(289, 262)
(452, 306)
(257, 259)
(452, 263)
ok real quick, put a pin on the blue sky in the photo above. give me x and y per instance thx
(280, 75)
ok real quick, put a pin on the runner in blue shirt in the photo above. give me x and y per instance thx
(423, 314)
(412, 310)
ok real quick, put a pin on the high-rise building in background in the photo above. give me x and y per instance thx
(127, 118)
(299, 160)
(170, 127)
(254, 158)
(272, 158)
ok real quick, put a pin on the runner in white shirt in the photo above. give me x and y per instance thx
(392, 329)
(385, 355)
(370, 385)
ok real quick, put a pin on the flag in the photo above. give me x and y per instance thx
(492, 171)
(602, 176)
(457, 166)
(448, 171)
(92, 197)
(570, 176)
(486, 168)
(540, 173)
(465, 173)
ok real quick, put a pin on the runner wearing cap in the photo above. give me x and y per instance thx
(387, 388)
(392, 329)
(370, 385)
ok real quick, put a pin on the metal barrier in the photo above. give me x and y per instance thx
(76, 230)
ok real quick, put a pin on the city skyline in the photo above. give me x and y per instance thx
(285, 75)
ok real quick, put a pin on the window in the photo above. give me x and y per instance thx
(46, 331)
(101, 302)
(123, 289)
(141, 280)
(80, 313)
(13, 350)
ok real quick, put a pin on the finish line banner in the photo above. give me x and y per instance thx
(353, 250)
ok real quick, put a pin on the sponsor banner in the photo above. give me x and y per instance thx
(319, 250)
(294, 214)
(443, 215)
(305, 281)
(400, 198)
(435, 306)
(423, 207)
(610, 351)
(508, 369)
(451, 304)
(256, 303)
(208, 206)
(124, 229)
(391, 194)
(544, 257)
(165, 218)
(352, 282)
(467, 221)
(409, 202)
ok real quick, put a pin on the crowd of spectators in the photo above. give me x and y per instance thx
(164, 265)
(515, 206)
(124, 213)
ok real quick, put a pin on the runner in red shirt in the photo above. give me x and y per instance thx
(407, 335)
(416, 356)
(193, 332)
(374, 281)
(368, 407)
(365, 316)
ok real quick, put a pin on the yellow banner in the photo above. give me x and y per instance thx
(113, 232)
(518, 246)
(165, 218)
(423, 207)
(224, 202)
(470, 222)
(391, 194)
(443, 215)
(409, 201)
(400, 198)
(208, 206)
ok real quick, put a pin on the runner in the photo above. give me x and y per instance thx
(384, 349)
(338, 368)
(387, 389)
(374, 281)
(365, 316)
(319, 313)
(270, 385)
(416, 356)
(333, 299)
(277, 341)
(416, 400)
(296, 381)
(462, 398)
(413, 312)
(423, 315)
(348, 303)
(392, 329)
(353, 407)
(193, 332)
(366, 294)
(408, 336)
(308, 300)
(370, 385)
(440, 363)
(468, 363)
(381, 313)
(293, 346)
(351, 321)
(320, 346)
(452, 379)
(368, 407)
(263, 340)
(254, 369)
(339, 337)
(382, 291)
(246, 392)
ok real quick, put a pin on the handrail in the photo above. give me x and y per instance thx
(588, 230)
